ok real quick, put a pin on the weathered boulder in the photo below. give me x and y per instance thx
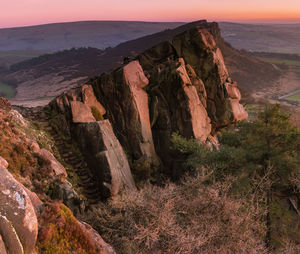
(17, 118)
(89, 98)
(197, 46)
(18, 221)
(35, 200)
(105, 156)
(3, 162)
(56, 168)
(11, 239)
(2, 246)
(78, 105)
(137, 81)
(238, 111)
(126, 102)
(94, 236)
(65, 191)
(81, 112)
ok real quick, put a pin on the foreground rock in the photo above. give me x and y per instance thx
(97, 239)
(18, 221)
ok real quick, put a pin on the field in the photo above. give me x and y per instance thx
(6, 90)
(282, 61)
(295, 97)
(276, 38)
(10, 57)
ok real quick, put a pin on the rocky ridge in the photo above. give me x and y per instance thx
(179, 86)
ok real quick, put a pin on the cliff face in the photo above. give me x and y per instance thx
(180, 86)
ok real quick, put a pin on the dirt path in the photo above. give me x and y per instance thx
(289, 94)
(287, 84)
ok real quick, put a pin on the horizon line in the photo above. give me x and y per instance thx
(249, 21)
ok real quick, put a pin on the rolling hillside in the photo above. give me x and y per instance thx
(277, 38)
(52, 74)
(60, 36)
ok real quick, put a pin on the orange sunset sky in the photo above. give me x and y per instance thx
(33, 12)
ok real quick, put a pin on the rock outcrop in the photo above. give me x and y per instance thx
(79, 104)
(180, 86)
(18, 221)
(105, 157)
(186, 86)
(103, 153)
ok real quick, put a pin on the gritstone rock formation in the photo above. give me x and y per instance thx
(18, 221)
(177, 86)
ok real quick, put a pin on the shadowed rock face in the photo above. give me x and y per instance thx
(180, 86)
(105, 157)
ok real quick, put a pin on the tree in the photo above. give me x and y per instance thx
(264, 158)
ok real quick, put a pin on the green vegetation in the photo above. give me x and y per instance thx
(97, 114)
(60, 232)
(263, 157)
(295, 97)
(6, 90)
(10, 57)
(282, 61)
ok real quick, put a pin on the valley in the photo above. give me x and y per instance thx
(6, 91)
(272, 38)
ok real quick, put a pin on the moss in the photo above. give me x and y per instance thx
(97, 114)
(143, 172)
(33, 131)
(284, 223)
(60, 232)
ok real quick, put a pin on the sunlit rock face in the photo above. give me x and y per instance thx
(18, 221)
(179, 86)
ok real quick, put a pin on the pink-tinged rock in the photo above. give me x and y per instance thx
(94, 236)
(54, 165)
(10, 237)
(199, 118)
(34, 146)
(81, 113)
(221, 67)
(2, 246)
(233, 91)
(36, 202)
(238, 111)
(3, 162)
(136, 80)
(90, 99)
(18, 217)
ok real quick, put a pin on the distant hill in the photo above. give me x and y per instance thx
(277, 38)
(44, 77)
(60, 36)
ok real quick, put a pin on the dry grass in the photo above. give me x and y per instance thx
(186, 218)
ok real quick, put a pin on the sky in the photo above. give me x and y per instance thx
(32, 12)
